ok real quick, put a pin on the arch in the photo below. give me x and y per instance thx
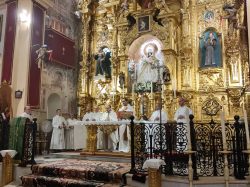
(53, 102)
(134, 49)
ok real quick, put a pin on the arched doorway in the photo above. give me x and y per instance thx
(53, 103)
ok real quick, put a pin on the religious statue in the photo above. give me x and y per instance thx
(210, 49)
(146, 71)
(232, 16)
(43, 55)
(103, 63)
(121, 79)
(210, 44)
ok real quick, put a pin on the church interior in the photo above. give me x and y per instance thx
(124, 93)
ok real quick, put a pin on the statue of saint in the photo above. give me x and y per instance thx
(103, 63)
(146, 68)
(210, 44)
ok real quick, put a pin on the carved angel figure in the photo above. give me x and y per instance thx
(232, 11)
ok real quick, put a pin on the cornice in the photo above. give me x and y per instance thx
(45, 3)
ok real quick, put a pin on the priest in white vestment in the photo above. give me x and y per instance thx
(27, 113)
(156, 117)
(113, 138)
(124, 133)
(88, 116)
(69, 132)
(57, 139)
(182, 118)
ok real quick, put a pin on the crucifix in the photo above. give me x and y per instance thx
(158, 66)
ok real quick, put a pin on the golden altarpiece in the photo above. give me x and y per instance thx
(203, 49)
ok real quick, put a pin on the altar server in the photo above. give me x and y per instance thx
(155, 117)
(124, 133)
(182, 117)
(57, 139)
(111, 116)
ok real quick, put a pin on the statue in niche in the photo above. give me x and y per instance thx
(121, 79)
(145, 68)
(210, 49)
(103, 63)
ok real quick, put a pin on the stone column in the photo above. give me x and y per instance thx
(21, 55)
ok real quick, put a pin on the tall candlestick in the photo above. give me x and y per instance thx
(162, 90)
(188, 130)
(223, 129)
(246, 127)
(174, 86)
(123, 90)
(133, 91)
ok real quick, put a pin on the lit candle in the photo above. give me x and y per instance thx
(246, 127)
(223, 129)
(79, 111)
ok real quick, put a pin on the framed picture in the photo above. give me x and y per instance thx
(18, 94)
(143, 24)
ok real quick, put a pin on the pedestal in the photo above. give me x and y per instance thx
(7, 166)
(154, 172)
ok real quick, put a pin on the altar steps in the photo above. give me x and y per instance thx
(102, 156)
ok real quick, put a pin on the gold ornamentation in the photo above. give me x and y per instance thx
(154, 177)
(7, 170)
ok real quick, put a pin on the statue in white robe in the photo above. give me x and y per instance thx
(57, 139)
(146, 68)
(124, 133)
(182, 118)
(113, 138)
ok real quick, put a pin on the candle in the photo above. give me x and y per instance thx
(162, 89)
(174, 86)
(188, 130)
(82, 85)
(79, 111)
(223, 129)
(133, 90)
(246, 127)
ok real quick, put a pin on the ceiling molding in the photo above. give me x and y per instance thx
(45, 3)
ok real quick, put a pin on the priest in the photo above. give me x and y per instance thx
(27, 113)
(124, 134)
(159, 115)
(57, 139)
(113, 138)
(181, 117)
